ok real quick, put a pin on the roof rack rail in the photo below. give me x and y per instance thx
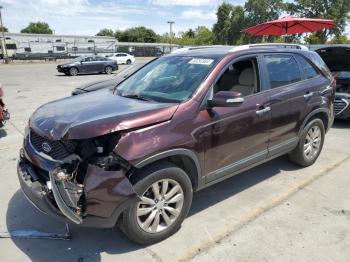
(270, 45)
(195, 48)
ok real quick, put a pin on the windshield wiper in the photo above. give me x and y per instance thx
(137, 96)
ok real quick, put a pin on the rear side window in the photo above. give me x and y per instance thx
(308, 70)
(283, 70)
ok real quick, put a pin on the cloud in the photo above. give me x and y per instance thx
(198, 14)
(184, 2)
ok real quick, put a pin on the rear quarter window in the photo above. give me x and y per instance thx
(307, 69)
(282, 70)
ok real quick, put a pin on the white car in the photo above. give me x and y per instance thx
(122, 58)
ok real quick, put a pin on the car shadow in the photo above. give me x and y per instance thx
(3, 133)
(341, 124)
(90, 243)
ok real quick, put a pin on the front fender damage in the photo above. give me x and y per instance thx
(94, 186)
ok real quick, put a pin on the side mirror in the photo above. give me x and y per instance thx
(226, 99)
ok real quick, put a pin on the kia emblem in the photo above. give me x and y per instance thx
(46, 147)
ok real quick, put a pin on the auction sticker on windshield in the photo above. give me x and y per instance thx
(201, 61)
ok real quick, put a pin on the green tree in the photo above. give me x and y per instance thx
(105, 32)
(3, 29)
(137, 34)
(190, 33)
(37, 28)
(203, 36)
(261, 11)
(339, 39)
(339, 10)
(222, 25)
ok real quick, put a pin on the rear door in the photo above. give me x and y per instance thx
(100, 63)
(292, 92)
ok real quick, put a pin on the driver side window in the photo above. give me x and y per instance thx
(241, 76)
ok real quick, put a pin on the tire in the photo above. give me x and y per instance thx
(73, 71)
(310, 144)
(108, 70)
(128, 62)
(177, 199)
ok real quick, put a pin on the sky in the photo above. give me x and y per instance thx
(87, 17)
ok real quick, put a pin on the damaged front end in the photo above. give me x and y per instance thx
(83, 181)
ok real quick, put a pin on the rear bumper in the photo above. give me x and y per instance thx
(103, 206)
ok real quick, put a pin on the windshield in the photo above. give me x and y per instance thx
(168, 79)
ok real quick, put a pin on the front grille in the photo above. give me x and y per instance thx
(55, 149)
(340, 105)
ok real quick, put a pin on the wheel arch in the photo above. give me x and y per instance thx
(183, 158)
(322, 113)
(73, 67)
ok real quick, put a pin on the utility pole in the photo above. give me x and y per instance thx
(171, 32)
(3, 42)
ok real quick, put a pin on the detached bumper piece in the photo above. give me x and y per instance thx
(4, 115)
(57, 187)
(96, 202)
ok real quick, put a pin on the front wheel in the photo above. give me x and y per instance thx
(310, 144)
(165, 193)
(73, 71)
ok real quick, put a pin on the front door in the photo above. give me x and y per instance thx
(237, 137)
(88, 65)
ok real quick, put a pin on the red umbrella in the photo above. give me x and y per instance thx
(290, 25)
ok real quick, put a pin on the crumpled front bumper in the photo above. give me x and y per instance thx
(106, 193)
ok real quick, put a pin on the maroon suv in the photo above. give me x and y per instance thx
(135, 154)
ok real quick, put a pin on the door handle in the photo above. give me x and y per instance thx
(308, 95)
(263, 111)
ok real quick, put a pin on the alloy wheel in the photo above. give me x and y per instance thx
(312, 143)
(160, 206)
(108, 70)
(73, 71)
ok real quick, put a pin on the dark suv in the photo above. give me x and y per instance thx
(134, 155)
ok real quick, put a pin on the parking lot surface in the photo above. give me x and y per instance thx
(274, 212)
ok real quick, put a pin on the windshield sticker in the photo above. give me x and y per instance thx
(201, 61)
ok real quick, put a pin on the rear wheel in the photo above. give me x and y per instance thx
(108, 70)
(73, 71)
(310, 144)
(128, 62)
(165, 191)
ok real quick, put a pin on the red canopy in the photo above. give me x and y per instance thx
(290, 25)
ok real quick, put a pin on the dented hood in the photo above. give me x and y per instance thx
(95, 114)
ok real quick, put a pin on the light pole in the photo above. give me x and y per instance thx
(3, 42)
(171, 32)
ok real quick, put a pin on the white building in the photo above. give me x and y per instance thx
(42, 44)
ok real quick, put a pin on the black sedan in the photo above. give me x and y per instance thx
(88, 64)
(337, 59)
(97, 85)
